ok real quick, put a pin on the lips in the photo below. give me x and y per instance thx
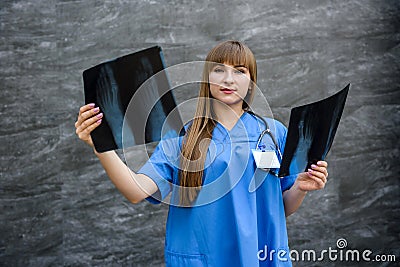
(227, 91)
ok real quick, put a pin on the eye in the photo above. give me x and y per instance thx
(218, 69)
(241, 71)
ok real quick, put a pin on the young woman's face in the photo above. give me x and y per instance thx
(229, 84)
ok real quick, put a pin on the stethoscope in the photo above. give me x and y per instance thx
(261, 146)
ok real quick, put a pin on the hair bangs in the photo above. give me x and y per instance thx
(232, 53)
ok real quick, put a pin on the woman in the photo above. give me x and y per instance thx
(214, 218)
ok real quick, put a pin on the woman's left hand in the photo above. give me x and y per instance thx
(314, 179)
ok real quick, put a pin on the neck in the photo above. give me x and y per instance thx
(227, 115)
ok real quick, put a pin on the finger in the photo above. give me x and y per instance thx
(86, 108)
(322, 163)
(320, 184)
(319, 175)
(88, 123)
(82, 110)
(85, 115)
(85, 134)
(319, 169)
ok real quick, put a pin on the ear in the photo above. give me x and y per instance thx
(250, 90)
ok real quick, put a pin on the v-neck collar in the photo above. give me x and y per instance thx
(239, 121)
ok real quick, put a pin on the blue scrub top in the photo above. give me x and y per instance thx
(238, 218)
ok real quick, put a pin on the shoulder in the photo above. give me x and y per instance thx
(273, 124)
(276, 126)
(279, 130)
(168, 149)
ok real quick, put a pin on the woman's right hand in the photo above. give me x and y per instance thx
(88, 120)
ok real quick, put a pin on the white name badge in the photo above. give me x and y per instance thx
(265, 159)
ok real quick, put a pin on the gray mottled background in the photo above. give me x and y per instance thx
(58, 206)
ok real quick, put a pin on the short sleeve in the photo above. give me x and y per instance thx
(287, 182)
(162, 168)
(281, 132)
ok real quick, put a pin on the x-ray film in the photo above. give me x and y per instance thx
(311, 131)
(112, 84)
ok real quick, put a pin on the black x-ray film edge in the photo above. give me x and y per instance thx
(311, 131)
(102, 136)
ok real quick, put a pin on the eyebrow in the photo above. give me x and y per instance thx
(236, 66)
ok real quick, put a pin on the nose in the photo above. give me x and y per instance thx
(228, 77)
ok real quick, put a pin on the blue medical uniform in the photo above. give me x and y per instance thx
(231, 224)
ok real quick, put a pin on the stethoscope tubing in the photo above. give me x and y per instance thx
(266, 131)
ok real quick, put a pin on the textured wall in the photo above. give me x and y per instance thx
(59, 208)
